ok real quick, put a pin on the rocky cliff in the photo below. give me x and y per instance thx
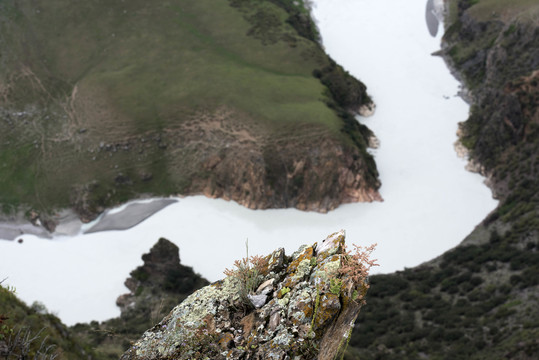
(477, 301)
(495, 51)
(301, 306)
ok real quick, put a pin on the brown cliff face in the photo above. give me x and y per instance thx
(223, 155)
(307, 168)
(277, 307)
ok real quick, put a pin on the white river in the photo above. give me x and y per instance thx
(431, 202)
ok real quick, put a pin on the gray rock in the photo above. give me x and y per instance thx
(266, 287)
(258, 300)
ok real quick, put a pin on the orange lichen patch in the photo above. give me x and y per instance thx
(252, 339)
(307, 254)
(226, 341)
(218, 284)
(288, 283)
(301, 308)
(307, 310)
(327, 309)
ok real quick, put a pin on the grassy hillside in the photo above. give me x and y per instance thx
(104, 100)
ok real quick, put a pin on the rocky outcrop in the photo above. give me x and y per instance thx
(277, 307)
(155, 287)
(161, 275)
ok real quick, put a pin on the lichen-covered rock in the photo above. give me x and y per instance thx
(298, 301)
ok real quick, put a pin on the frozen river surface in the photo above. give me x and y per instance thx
(431, 202)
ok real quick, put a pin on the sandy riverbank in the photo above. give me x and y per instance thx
(121, 218)
(128, 215)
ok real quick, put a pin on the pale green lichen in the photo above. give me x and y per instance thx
(203, 302)
(187, 317)
(300, 307)
(304, 268)
(283, 302)
(283, 338)
(326, 271)
(335, 286)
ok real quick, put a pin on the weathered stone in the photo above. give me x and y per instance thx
(276, 260)
(275, 319)
(332, 244)
(266, 287)
(258, 300)
(294, 308)
(329, 306)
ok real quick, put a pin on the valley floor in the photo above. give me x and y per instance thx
(431, 201)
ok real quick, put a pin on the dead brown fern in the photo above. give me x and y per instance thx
(355, 268)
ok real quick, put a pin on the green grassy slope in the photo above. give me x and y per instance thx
(103, 100)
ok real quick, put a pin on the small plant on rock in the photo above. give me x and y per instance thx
(355, 268)
(335, 286)
(249, 272)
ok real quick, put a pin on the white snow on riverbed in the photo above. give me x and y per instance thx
(431, 202)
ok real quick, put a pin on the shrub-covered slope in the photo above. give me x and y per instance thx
(32, 333)
(479, 300)
(105, 100)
